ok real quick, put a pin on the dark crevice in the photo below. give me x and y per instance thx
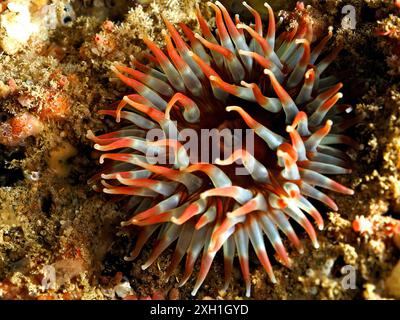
(47, 203)
(10, 176)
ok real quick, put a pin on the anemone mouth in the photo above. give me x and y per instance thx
(233, 78)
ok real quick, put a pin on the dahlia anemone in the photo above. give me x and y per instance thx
(236, 76)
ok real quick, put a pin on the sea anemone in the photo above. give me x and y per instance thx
(234, 77)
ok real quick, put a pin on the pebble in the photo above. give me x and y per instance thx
(123, 289)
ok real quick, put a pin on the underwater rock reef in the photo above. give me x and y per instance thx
(61, 239)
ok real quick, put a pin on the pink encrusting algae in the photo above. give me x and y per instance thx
(238, 77)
